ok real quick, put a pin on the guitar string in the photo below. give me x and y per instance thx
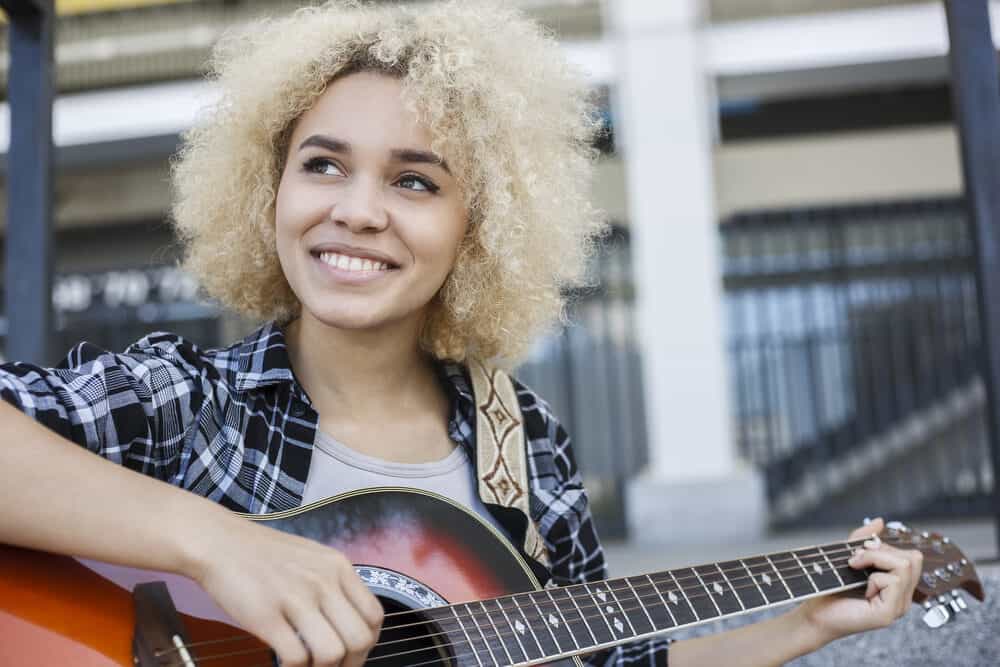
(488, 647)
(475, 616)
(501, 636)
(568, 588)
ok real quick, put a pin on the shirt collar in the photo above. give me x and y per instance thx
(263, 361)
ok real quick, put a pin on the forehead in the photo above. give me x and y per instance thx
(365, 109)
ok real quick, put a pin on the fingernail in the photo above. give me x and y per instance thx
(866, 521)
(873, 543)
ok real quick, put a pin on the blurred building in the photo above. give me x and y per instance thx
(785, 330)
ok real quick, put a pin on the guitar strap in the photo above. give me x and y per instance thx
(501, 450)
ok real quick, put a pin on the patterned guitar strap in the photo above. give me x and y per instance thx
(501, 449)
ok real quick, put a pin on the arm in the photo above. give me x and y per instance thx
(818, 621)
(296, 595)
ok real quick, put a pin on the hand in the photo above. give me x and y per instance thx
(887, 597)
(300, 597)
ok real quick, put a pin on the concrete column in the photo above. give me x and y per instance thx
(695, 488)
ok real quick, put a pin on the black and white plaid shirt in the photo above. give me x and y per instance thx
(235, 426)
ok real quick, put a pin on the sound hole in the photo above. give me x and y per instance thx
(409, 639)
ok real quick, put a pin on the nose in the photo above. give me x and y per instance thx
(359, 206)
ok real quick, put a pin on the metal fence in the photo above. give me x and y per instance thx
(855, 357)
(591, 375)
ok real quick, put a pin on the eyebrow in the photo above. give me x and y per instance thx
(399, 154)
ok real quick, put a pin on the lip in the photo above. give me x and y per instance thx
(353, 251)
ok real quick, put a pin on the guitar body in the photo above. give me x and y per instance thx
(416, 551)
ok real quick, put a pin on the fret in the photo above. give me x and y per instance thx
(574, 615)
(823, 576)
(496, 630)
(482, 633)
(678, 609)
(642, 605)
(600, 601)
(718, 587)
(707, 591)
(770, 581)
(554, 623)
(801, 584)
(534, 622)
(472, 644)
(850, 575)
(777, 572)
(700, 600)
(666, 606)
(833, 568)
(748, 593)
(621, 611)
(735, 593)
(516, 631)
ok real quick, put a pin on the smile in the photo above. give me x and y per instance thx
(352, 264)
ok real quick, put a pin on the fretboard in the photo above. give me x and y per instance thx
(540, 626)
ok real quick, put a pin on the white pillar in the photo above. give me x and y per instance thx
(665, 107)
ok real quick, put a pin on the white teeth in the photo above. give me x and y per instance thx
(348, 263)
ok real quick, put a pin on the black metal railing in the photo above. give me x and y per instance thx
(847, 325)
(590, 373)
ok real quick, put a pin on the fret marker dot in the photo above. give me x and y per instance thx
(672, 597)
(601, 596)
(717, 588)
(817, 569)
(618, 626)
(609, 609)
(519, 626)
(766, 579)
(553, 621)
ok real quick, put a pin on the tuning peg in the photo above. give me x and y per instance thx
(936, 615)
(957, 602)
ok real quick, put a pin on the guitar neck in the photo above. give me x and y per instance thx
(540, 626)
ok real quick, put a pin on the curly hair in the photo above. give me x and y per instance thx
(513, 119)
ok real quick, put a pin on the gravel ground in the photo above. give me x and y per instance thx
(971, 640)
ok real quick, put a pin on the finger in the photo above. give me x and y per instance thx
(884, 592)
(357, 635)
(324, 646)
(358, 594)
(286, 644)
(872, 528)
(883, 557)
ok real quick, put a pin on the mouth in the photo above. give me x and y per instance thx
(352, 263)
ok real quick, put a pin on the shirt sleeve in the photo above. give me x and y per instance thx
(575, 550)
(132, 408)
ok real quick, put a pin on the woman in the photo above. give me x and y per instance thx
(396, 191)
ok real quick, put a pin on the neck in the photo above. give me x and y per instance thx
(358, 373)
(543, 625)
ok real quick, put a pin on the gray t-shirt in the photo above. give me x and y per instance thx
(336, 468)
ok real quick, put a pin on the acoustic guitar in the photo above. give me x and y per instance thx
(454, 590)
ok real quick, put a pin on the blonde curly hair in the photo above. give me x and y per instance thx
(511, 117)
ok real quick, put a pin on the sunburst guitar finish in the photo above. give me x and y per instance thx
(415, 550)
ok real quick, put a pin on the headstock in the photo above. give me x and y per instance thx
(945, 571)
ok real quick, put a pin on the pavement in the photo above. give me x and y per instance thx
(972, 639)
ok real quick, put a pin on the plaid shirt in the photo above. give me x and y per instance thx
(235, 426)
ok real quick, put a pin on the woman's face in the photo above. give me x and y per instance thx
(368, 219)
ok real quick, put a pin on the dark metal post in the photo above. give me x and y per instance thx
(28, 279)
(976, 99)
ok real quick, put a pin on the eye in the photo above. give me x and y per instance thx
(324, 166)
(417, 183)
